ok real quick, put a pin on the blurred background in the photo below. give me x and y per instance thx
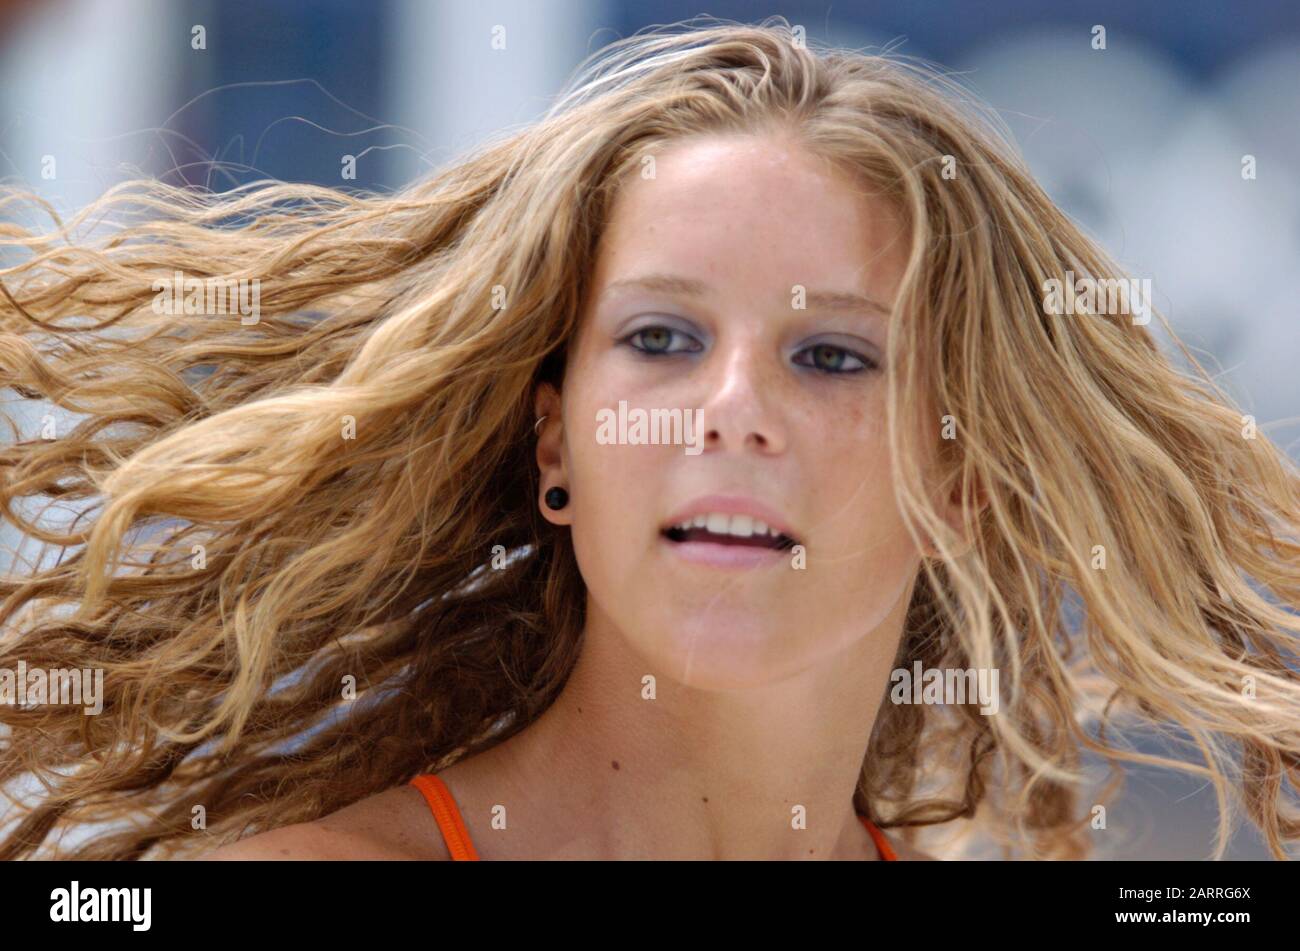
(1143, 143)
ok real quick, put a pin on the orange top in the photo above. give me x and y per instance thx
(456, 835)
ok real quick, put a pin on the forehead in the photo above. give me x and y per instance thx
(741, 210)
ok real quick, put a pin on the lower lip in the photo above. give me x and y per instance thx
(725, 556)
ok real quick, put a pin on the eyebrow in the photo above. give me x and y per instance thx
(690, 287)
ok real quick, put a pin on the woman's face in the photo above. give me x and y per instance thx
(728, 285)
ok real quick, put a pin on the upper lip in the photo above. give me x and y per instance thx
(732, 505)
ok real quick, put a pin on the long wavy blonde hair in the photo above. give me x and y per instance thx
(268, 513)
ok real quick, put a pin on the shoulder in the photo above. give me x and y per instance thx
(300, 842)
(392, 825)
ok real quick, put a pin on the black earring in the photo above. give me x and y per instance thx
(556, 497)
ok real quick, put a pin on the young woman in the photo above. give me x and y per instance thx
(395, 570)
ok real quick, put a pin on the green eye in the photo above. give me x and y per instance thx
(831, 360)
(656, 340)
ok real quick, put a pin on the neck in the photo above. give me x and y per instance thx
(763, 772)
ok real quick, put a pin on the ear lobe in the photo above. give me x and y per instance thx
(547, 432)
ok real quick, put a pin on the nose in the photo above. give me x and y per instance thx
(743, 409)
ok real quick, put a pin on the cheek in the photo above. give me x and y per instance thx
(616, 491)
(861, 510)
(865, 533)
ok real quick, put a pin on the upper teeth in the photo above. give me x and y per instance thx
(719, 524)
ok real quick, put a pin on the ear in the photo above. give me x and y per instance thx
(549, 435)
(974, 500)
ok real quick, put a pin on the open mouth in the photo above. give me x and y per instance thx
(737, 532)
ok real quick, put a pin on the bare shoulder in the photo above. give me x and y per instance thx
(299, 842)
(391, 825)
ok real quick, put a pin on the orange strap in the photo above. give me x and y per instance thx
(886, 850)
(456, 835)
(448, 817)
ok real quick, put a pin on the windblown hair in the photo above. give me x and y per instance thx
(263, 515)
